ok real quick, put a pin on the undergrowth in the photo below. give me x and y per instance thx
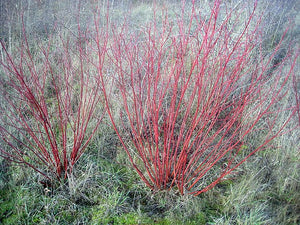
(102, 187)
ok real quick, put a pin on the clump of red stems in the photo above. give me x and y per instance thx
(51, 104)
(190, 91)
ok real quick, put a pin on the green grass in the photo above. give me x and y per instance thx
(105, 192)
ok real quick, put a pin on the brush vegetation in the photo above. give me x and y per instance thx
(141, 112)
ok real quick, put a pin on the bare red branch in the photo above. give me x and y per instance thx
(190, 92)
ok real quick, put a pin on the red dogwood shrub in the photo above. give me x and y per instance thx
(190, 90)
(51, 106)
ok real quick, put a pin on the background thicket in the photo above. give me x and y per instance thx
(103, 188)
